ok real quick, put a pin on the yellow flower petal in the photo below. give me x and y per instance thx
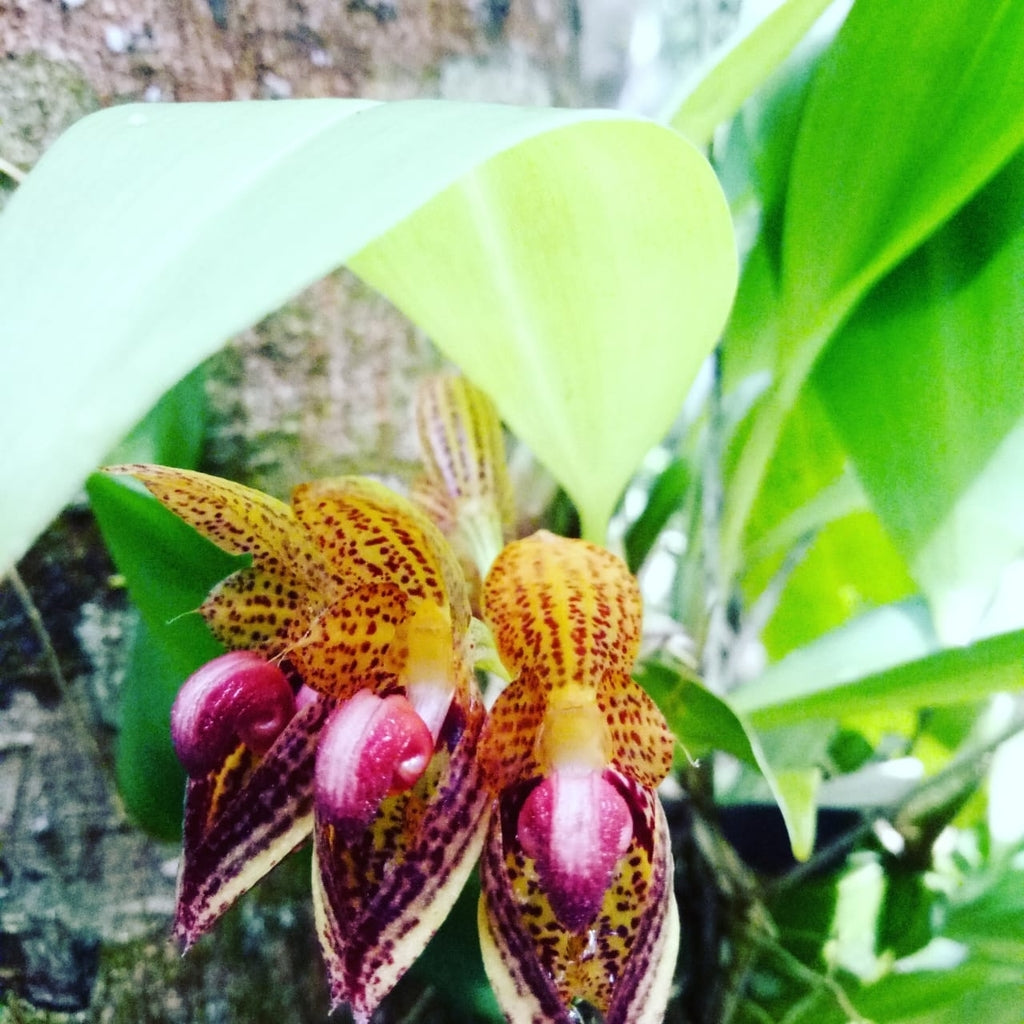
(565, 608)
(566, 615)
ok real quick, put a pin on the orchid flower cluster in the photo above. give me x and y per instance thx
(348, 710)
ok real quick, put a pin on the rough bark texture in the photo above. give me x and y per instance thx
(321, 387)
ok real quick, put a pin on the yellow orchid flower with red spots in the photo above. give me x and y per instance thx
(577, 900)
(347, 709)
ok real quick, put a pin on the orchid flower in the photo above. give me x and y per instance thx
(577, 900)
(347, 709)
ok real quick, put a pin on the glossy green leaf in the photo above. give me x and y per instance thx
(593, 248)
(717, 91)
(888, 659)
(911, 111)
(926, 387)
(703, 722)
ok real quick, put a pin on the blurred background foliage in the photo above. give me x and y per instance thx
(830, 541)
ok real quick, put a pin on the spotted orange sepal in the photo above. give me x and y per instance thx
(566, 617)
(347, 585)
(466, 487)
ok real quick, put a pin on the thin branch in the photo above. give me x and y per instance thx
(86, 736)
(942, 780)
(16, 174)
(718, 634)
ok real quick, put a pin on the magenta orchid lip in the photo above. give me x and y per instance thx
(238, 698)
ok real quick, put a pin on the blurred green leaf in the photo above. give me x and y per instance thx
(888, 659)
(173, 432)
(718, 90)
(987, 986)
(148, 234)
(925, 384)
(811, 494)
(664, 499)
(703, 722)
(910, 112)
(149, 778)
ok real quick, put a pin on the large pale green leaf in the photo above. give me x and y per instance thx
(911, 111)
(148, 234)
(717, 91)
(926, 387)
(585, 320)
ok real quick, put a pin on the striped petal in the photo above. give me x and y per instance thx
(243, 817)
(622, 962)
(464, 455)
(380, 896)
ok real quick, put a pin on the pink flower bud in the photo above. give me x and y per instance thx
(575, 826)
(371, 747)
(238, 697)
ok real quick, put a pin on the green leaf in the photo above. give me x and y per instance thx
(987, 986)
(173, 432)
(149, 778)
(703, 722)
(743, 65)
(149, 234)
(811, 494)
(925, 384)
(584, 315)
(887, 659)
(910, 112)
(664, 499)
